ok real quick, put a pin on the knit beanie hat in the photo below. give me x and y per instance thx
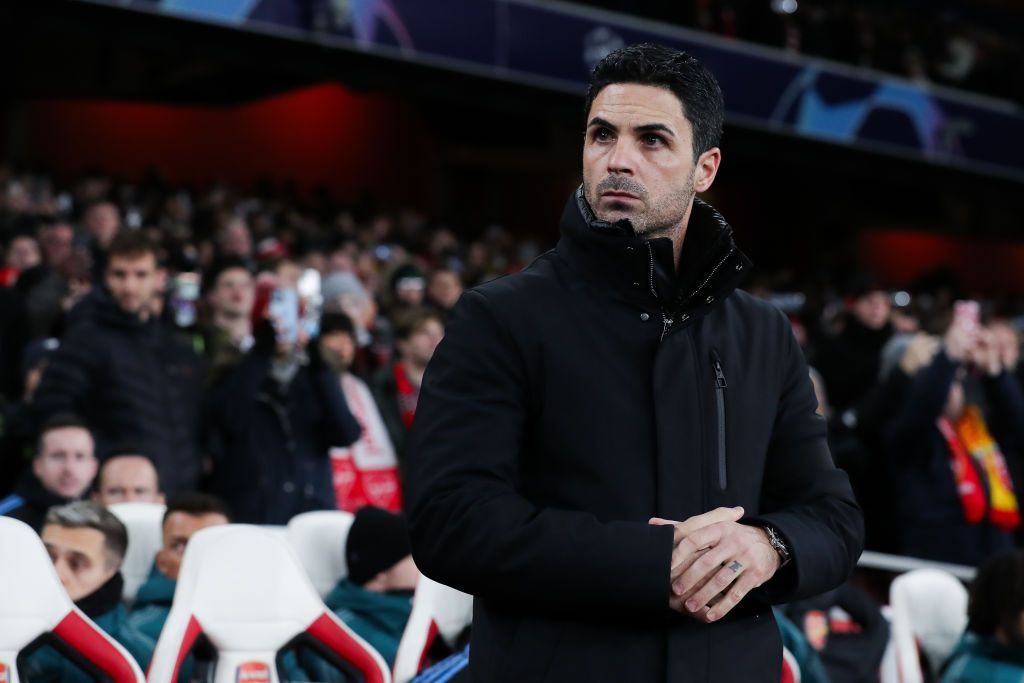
(377, 541)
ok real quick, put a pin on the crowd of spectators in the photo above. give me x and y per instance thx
(148, 353)
(971, 46)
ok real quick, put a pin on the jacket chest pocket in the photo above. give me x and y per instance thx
(720, 468)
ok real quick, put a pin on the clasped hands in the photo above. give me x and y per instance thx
(716, 561)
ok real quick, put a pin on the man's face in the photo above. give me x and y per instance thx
(638, 159)
(236, 240)
(179, 527)
(445, 288)
(80, 558)
(234, 293)
(873, 309)
(23, 254)
(128, 479)
(57, 241)
(102, 222)
(66, 463)
(134, 281)
(419, 348)
(339, 348)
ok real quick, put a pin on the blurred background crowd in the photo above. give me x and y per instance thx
(222, 280)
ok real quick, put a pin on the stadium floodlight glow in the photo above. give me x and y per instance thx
(784, 6)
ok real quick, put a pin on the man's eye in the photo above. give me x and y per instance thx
(653, 140)
(602, 134)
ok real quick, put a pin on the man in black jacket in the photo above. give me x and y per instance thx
(617, 383)
(125, 372)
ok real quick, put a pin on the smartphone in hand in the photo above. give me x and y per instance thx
(283, 310)
(967, 314)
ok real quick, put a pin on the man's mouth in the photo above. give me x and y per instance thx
(619, 195)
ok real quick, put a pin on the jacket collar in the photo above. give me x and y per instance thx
(711, 265)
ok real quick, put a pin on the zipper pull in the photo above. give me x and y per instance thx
(666, 325)
(719, 374)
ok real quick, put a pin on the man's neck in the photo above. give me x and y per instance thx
(677, 234)
(413, 371)
(237, 326)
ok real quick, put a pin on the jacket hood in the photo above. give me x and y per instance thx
(31, 490)
(711, 266)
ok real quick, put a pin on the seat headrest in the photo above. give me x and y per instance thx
(319, 541)
(144, 522)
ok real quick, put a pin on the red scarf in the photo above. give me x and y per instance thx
(970, 443)
(408, 395)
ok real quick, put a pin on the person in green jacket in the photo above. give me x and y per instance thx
(375, 599)
(185, 515)
(87, 544)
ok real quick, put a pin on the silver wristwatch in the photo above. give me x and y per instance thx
(780, 546)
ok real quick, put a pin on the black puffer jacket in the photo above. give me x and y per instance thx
(566, 406)
(132, 382)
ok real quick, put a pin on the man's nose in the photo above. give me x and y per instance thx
(621, 159)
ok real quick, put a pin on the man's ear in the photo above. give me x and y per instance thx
(706, 169)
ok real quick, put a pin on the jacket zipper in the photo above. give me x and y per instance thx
(666, 322)
(720, 385)
(702, 285)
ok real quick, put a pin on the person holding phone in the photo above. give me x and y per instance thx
(274, 418)
(952, 442)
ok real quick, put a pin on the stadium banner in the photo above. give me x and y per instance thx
(551, 44)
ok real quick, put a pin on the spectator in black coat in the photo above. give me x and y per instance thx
(272, 422)
(62, 471)
(126, 373)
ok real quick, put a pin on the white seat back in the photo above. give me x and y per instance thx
(33, 602)
(319, 541)
(929, 609)
(144, 522)
(437, 610)
(243, 587)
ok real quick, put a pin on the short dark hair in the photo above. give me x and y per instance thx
(677, 71)
(88, 515)
(997, 596)
(132, 244)
(409, 321)
(221, 266)
(195, 504)
(332, 322)
(126, 450)
(59, 421)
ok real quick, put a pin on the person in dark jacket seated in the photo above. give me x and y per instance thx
(992, 648)
(125, 372)
(185, 515)
(62, 471)
(87, 544)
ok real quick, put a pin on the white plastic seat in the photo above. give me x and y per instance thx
(319, 541)
(437, 610)
(33, 602)
(244, 589)
(144, 522)
(928, 611)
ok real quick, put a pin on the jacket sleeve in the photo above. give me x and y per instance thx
(922, 405)
(71, 378)
(804, 496)
(340, 428)
(470, 525)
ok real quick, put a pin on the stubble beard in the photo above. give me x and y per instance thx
(660, 220)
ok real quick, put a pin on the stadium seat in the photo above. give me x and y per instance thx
(144, 522)
(34, 603)
(319, 541)
(929, 614)
(437, 610)
(243, 588)
(790, 668)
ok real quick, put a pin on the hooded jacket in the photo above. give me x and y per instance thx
(570, 403)
(30, 501)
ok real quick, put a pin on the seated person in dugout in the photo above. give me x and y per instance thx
(185, 515)
(127, 476)
(62, 471)
(87, 544)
